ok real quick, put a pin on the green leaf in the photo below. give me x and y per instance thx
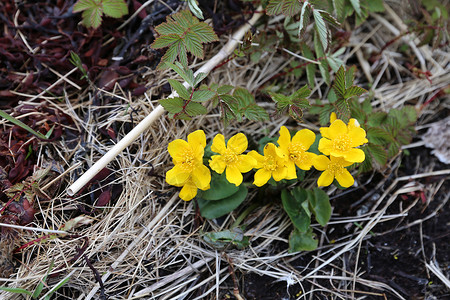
(15, 290)
(366, 165)
(92, 17)
(310, 68)
(376, 5)
(40, 286)
(320, 204)
(304, 18)
(203, 95)
(339, 6)
(81, 5)
(220, 188)
(321, 29)
(22, 125)
(184, 72)
(115, 8)
(219, 208)
(342, 110)
(378, 153)
(377, 118)
(221, 240)
(354, 91)
(329, 19)
(193, 6)
(296, 206)
(299, 241)
(194, 109)
(356, 6)
(172, 105)
(165, 41)
(255, 113)
(179, 88)
(379, 136)
(339, 83)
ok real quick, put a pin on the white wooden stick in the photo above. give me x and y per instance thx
(159, 110)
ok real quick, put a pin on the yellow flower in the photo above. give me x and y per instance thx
(340, 140)
(295, 150)
(334, 168)
(272, 164)
(231, 157)
(189, 171)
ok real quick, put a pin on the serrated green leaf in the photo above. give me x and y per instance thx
(203, 95)
(321, 29)
(339, 6)
(179, 88)
(165, 41)
(376, 5)
(275, 7)
(320, 205)
(293, 205)
(301, 93)
(85, 4)
(378, 153)
(184, 72)
(170, 55)
(205, 32)
(195, 109)
(323, 68)
(339, 83)
(310, 68)
(115, 8)
(256, 113)
(329, 19)
(243, 96)
(219, 208)
(379, 136)
(356, 5)
(299, 241)
(199, 78)
(92, 17)
(224, 89)
(342, 110)
(193, 6)
(172, 105)
(366, 165)
(304, 19)
(349, 76)
(193, 44)
(377, 118)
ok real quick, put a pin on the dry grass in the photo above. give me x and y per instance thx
(147, 245)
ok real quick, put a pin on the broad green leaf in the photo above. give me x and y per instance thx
(255, 113)
(375, 5)
(224, 89)
(339, 7)
(349, 76)
(310, 68)
(81, 5)
(220, 240)
(304, 18)
(379, 136)
(356, 6)
(378, 153)
(193, 44)
(179, 88)
(321, 29)
(220, 188)
(115, 8)
(172, 105)
(205, 32)
(275, 7)
(377, 118)
(184, 72)
(299, 241)
(219, 208)
(92, 17)
(339, 82)
(293, 204)
(320, 204)
(354, 91)
(329, 19)
(244, 96)
(194, 109)
(203, 95)
(342, 110)
(165, 41)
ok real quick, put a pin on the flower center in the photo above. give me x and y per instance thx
(189, 160)
(230, 156)
(296, 151)
(270, 163)
(342, 143)
(336, 166)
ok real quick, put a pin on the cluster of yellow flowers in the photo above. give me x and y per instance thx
(339, 142)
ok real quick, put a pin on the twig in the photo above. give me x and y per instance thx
(159, 110)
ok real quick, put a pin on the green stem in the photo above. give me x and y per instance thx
(244, 214)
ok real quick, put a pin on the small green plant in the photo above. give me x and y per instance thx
(93, 10)
(25, 126)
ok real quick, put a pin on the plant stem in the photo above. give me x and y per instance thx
(244, 214)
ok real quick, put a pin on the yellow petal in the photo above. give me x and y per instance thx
(353, 123)
(280, 173)
(337, 128)
(201, 176)
(325, 179)
(285, 138)
(197, 142)
(261, 177)
(233, 175)
(246, 163)
(291, 171)
(325, 146)
(218, 144)
(270, 150)
(304, 137)
(258, 157)
(325, 132)
(238, 143)
(188, 191)
(357, 135)
(344, 178)
(177, 176)
(306, 161)
(333, 117)
(354, 155)
(217, 163)
(321, 162)
(177, 149)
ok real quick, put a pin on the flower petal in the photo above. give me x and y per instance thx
(306, 161)
(246, 163)
(304, 137)
(188, 191)
(261, 177)
(325, 132)
(201, 176)
(354, 155)
(333, 117)
(217, 163)
(337, 128)
(177, 149)
(280, 173)
(285, 138)
(197, 141)
(357, 135)
(344, 178)
(177, 176)
(218, 144)
(270, 150)
(321, 162)
(238, 143)
(291, 171)
(258, 157)
(325, 179)
(233, 175)
(325, 146)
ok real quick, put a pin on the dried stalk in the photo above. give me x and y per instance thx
(159, 110)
